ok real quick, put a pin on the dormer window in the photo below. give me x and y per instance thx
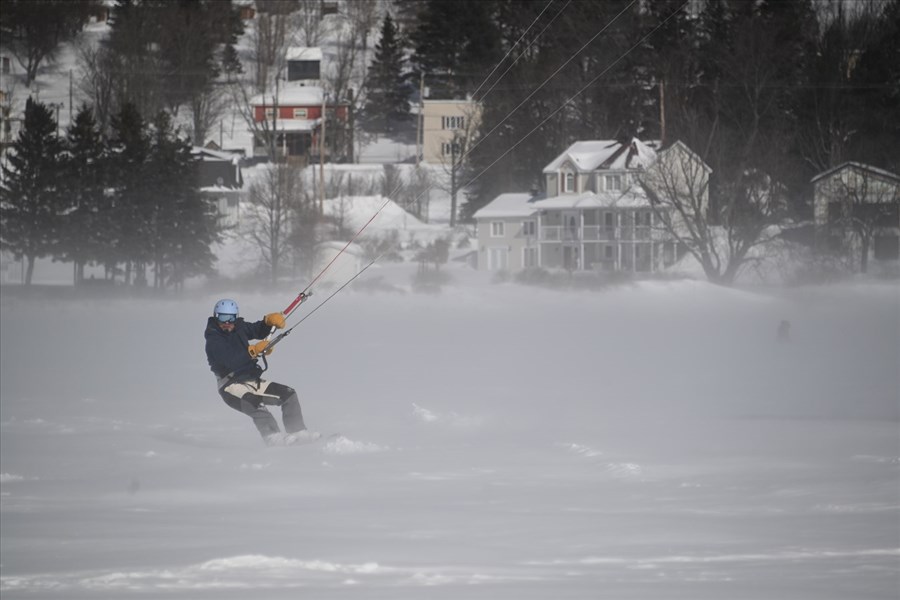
(568, 180)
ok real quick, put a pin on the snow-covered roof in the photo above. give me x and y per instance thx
(634, 197)
(219, 189)
(679, 145)
(583, 200)
(298, 95)
(297, 124)
(591, 155)
(303, 53)
(209, 153)
(507, 205)
(857, 165)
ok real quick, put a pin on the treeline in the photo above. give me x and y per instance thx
(128, 201)
(786, 88)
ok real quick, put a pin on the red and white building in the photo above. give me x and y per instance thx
(297, 111)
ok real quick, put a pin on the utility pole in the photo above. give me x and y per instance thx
(420, 117)
(453, 182)
(273, 142)
(662, 112)
(322, 159)
(351, 121)
(57, 105)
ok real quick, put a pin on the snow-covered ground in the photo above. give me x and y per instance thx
(494, 441)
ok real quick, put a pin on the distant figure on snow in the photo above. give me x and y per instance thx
(784, 332)
(233, 359)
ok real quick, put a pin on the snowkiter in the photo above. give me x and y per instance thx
(233, 359)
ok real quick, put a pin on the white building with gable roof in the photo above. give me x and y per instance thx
(596, 215)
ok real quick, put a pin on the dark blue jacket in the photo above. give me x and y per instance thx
(227, 352)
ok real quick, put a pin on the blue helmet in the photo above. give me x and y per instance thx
(226, 307)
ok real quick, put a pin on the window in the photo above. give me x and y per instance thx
(612, 183)
(449, 149)
(270, 112)
(529, 257)
(300, 113)
(303, 69)
(528, 228)
(497, 229)
(609, 219)
(568, 182)
(453, 122)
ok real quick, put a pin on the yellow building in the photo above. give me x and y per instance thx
(445, 124)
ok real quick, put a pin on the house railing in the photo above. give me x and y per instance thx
(560, 234)
(597, 233)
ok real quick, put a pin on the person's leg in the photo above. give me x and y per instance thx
(286, 397)
(252, 407)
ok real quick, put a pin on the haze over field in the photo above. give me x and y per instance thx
(492, 441)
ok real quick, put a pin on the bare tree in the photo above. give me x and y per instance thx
(391, 182)
(274, 199)
(455, 153)
(206, 108)
(416, 194)
(243, 99)
(345, 73)
(267, 40)
(862, 203)
(306, 26)
(721, 241)
(97, 81)
(830, 111)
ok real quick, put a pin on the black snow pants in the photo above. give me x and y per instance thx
(252, 397)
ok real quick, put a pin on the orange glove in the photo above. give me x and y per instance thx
(257, 348)
(275, 320)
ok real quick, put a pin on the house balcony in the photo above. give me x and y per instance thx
(596, 233)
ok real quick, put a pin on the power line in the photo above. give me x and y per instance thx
(594, 80)
(497, 66)
(561, 67)
(589, 84)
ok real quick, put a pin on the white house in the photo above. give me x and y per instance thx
(506, 233)
(857, 209)
(596, 216)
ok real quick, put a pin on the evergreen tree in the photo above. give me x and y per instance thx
(168, 53)
(456, 45)
(671, 75)
(129, 148)
(30, 203)
(86, 222)
(182, 224)
(530, 115)
(875, 81)
(388, 93)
